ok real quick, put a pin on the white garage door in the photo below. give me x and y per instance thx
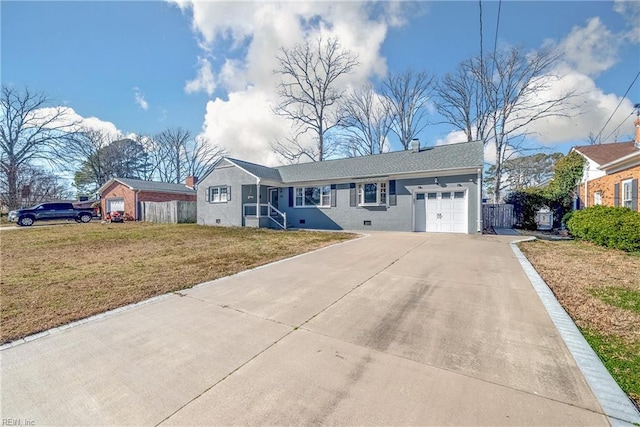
(441, 211)
(115, 205)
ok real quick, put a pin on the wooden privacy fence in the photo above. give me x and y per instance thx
(498, 216)
(173, 212)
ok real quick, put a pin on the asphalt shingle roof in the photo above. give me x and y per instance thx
(439, 158)
(605, 153)
(137, 184)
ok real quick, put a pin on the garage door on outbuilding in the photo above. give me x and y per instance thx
(441, 211)
(115, 205)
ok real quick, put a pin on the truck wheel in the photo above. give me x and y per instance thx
(85, 218)
(25, 221)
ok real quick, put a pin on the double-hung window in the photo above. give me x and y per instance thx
(313, 196)
(372, 193)
(627, 193)
(597, 198)
(218, 194)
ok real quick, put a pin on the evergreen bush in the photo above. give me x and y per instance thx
(612, 227)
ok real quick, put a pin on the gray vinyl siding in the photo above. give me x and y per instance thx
(387, 218)
(223, 214)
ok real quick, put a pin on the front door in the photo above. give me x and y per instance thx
(273, 197)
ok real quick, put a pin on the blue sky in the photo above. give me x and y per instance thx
(140, 67)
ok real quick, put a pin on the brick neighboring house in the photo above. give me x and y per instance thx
(125, 194)
(611, 174)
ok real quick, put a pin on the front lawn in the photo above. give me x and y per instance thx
(600, 289)
(55, 275)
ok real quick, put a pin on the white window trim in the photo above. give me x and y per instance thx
(322, 196)
(627, 184)
(378, 202)
(597, 198)
(219, 193)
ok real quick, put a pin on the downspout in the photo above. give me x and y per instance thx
(258, 200)
(479, 180)
(136, 206)
(586, 190)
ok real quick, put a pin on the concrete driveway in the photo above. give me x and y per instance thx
(393, 329)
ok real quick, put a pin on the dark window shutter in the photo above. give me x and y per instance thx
(616, 194)
(634, 195)
(208, 194)
(290, 196)
(392, 192)
(229, 193)
(334, 194)
(353, 194)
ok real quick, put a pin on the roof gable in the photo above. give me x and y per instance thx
(607, 153)
(259, 171)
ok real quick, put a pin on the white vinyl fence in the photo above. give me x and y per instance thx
(173, 212)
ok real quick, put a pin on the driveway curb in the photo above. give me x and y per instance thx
(615, 403)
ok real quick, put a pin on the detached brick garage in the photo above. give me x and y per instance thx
(125, 194)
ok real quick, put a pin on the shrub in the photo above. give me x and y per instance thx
(526, 204)
(612, 227)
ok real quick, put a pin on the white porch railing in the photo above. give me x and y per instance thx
(266, 211)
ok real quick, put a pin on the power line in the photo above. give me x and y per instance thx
(621, 123)
(618, 106)
(495, 41)
(481, 53)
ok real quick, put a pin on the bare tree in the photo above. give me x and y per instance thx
(366, 122)
(83, 151)
(36, 185)
(170, 152)
(408, 94)
(460, 100)
(177, 155)
(28, 131)
(200, 155)
(310, 96)
(514, 90)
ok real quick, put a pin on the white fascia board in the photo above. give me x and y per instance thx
(622, 163)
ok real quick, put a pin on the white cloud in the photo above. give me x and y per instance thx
(244, 126)
(630, 10)
(204, 81)
(244, 123)
(591, 49)
(69, 120)
(139, 97)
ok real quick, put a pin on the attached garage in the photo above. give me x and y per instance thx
(441, 211)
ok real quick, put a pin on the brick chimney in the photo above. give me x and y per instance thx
(415, 145)
(191, 181)
(637, 125)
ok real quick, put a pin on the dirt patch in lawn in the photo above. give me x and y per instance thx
(55, 275)
(600, 289)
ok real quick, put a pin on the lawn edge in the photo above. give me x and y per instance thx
(153, 299)
(615, 403)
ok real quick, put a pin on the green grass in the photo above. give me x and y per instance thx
(627, 299)
(621, 359)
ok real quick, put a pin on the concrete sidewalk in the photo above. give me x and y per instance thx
(393, 329)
